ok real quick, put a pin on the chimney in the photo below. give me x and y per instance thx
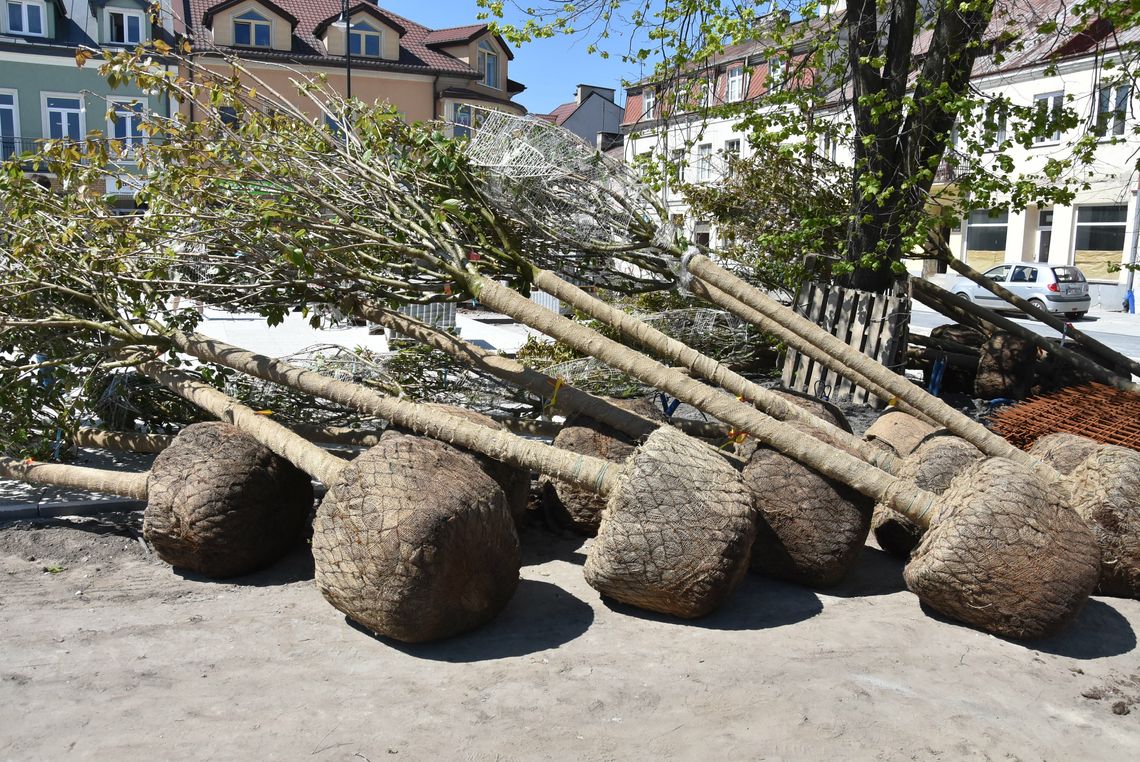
(585, 91)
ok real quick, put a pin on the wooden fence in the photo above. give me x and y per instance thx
(874, 324)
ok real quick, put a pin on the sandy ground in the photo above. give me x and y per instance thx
(110, 655)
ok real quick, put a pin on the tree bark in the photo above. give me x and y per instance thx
(76, 477)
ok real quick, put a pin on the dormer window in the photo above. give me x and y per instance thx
(364, 40)
(251, 30)
(489, 64)
(649, 103)
(734, 90)
(26, 17)
(124, 27)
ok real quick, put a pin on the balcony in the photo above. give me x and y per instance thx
(13, 146)
(950, 168)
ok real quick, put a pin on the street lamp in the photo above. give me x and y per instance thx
(347, 50)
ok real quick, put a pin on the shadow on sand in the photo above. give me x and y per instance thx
(295, 566)
(1098, 632)
(759, 603)
(875, 573)
(539, 616)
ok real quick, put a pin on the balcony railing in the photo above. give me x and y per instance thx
(13, 146)
(950, 168)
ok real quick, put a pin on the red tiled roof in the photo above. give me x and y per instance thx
(416, 54)
(457, 34)
(563, 112)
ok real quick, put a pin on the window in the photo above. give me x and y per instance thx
(994, 124)
(63, 117)
(702, 234)
(1044, 234)
(676, 166)
(734, 90)
(124, 27)
(461, 120)
(707, 93)
(775, 73)
(125, 123)
(364, 40)
(1099, 240)
(1112, 109)
(985, 237)
(26, 17)
(1049, 111)
(732, 147)
(489, 64)
(252, 30)
(649, 104)
(1024, 274)
(704, 162)
(828, 146)
(9, 125)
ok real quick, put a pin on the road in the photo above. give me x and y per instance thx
(1120, 331)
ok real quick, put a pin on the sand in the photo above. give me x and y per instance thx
(108, 654)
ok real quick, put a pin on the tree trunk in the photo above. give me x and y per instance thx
(847, 357)
(701, 365)
(76, 477)
(589, 473)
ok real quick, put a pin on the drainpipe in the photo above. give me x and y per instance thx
(1129, 296)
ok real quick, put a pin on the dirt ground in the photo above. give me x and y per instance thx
(108, 654)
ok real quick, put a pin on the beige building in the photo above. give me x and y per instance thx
(423, 73)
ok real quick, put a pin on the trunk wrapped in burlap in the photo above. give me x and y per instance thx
(1005, 553)
(809, 528)
(901, 431)
(415, 541)
(221, 504)
(1063, 451)
(515, 481)
(1106, 494)
(1006, 367)
(676, 533)
(932, 467)
(822, 410)
(573, 506)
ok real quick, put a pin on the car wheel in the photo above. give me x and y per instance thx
(1038, 304)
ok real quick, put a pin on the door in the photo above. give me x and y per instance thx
(999, 274)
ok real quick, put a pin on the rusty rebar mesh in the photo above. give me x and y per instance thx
(1095, 411)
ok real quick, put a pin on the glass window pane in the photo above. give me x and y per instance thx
(354, 44)
(61, 103)
(15, 17)
(7, 100)
(1068, 275)
(261, 35)
(372, 46)
(1100, 238)
(7, 122)
(117, 31)
(35, 21)
(73, 125)
(1116, 213)
(134, 32)
(241, 33)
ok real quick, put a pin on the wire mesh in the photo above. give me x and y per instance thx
(1096, 411)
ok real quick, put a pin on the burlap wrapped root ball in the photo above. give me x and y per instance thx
(1106, 494)
(824, 411)
(415, 541)
(809, 528)
(515, 481)
(221, 504)
(1005, 553)
(932, 466)
(898, 432)
(1063, 451)
(676, 533)
(574, 506)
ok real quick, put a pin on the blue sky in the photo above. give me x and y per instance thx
(550, 69)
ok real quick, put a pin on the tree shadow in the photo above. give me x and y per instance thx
(875, 572)
(1098, 632)
(294, 566)
(540, 616)
(541, 544)
(759, 603)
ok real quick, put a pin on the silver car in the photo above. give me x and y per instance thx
(1054, 288)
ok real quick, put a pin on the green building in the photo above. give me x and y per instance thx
(44, 93)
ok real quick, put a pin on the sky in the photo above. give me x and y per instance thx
(551, 69)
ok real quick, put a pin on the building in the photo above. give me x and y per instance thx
(1074, 68)
(592, 115)
(45, 94)
(423, 73)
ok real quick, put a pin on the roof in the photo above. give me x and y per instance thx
(314, 16)
(562, 113)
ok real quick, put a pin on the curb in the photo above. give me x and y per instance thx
(12, 511)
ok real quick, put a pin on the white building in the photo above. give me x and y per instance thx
(1094, 232)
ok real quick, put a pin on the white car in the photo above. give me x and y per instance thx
(1053, 288)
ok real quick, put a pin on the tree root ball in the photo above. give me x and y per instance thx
(676, 533)
(900, 430)
(514, 481)
(571, 505)
(1063, 451)
(221, 504)
(415, 541)
(932, 466)
(1005, 553)
(1106, 494)
(810, 529)
(821, 409)
(1005, 368)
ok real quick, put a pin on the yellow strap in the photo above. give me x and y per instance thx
(558, 382)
